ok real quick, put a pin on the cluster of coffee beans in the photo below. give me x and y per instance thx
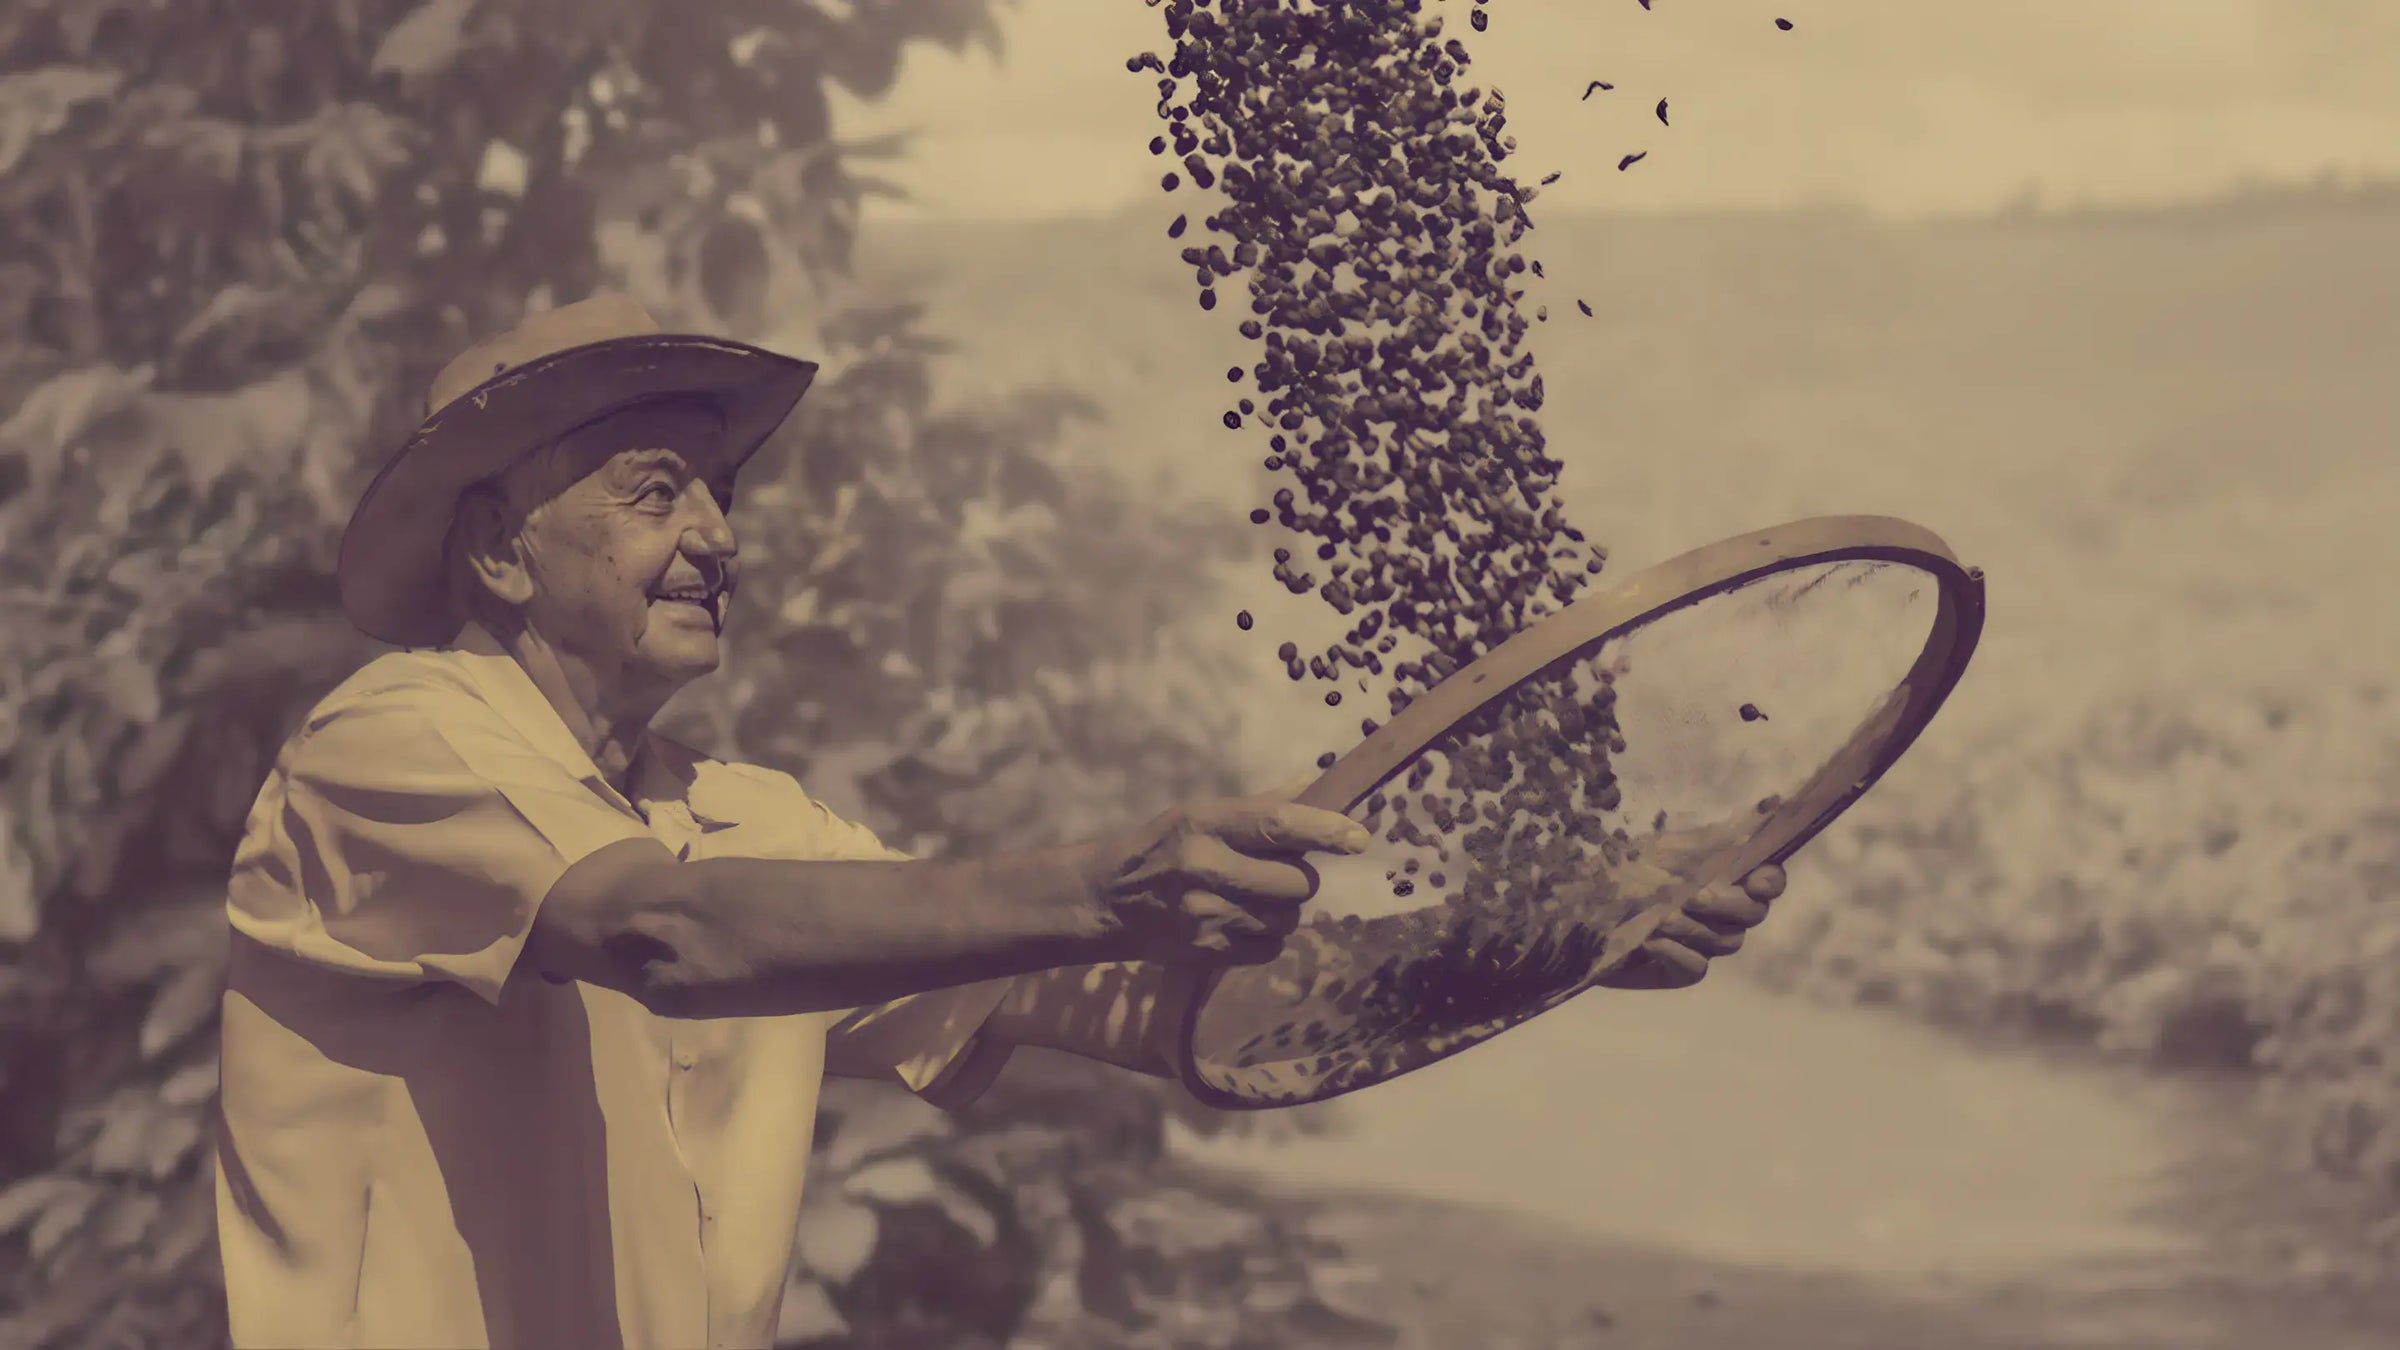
(1363, 211)
(1368, 999)
(1364, 217)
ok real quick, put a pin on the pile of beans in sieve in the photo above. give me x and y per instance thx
(1360, 194)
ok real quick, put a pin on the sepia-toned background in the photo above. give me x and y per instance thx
(2074, 1032)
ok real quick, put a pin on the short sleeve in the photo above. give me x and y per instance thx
(413, 836)
(934, 1043)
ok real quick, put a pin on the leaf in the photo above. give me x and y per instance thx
(141, 1135)
(835, 1237)
(891, 145)
(425, 43)
(869, 1126)
(124, 681)
(911, 1181)
(353, 146)
(189, 1229)
(809, 1315)
(61, 410)
(20, 904)
(246, 315)
(210, 145)
(187, 1003)
(59, 1220)
(26, 1201)
(895, 1181)
(126, 1220)
(35, 103)
(192, 1084)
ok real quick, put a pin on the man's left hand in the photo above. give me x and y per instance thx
(1709, 925)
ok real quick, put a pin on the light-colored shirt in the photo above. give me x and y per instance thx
(424, 1145)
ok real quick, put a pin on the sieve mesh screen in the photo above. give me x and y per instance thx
(1629, 773)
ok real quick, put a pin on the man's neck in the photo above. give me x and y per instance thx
(611, 730)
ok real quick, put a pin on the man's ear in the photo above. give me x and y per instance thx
(491, 555)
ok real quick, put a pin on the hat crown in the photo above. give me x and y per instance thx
(600, 318)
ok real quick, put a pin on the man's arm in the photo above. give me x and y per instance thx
(766, 937)
(738, 937)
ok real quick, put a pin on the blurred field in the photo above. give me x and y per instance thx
(2147, 429)
(2157, 820)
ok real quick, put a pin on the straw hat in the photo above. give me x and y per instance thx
(505, 396)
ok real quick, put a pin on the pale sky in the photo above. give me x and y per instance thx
(1904, 107)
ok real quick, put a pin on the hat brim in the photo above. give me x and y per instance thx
(393, 585)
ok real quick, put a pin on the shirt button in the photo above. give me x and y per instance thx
(685, 1059)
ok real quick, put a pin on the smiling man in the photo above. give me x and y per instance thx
(529, 1005)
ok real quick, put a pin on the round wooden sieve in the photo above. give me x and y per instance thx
(1702, 861)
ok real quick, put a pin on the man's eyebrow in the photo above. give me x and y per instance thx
(641, 461)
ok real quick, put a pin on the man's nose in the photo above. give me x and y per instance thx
(710, 534)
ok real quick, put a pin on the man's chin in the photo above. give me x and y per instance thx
(682, 641)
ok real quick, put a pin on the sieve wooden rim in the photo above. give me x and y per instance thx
(1678, 583)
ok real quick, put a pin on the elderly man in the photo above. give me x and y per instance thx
(530, 1006)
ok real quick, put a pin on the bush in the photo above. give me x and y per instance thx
(2199, 879)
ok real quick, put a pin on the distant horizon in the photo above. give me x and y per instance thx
(1910, 111)
(2330, 184)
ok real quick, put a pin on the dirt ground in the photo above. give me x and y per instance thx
(1724, 1167)
(1455, 1276)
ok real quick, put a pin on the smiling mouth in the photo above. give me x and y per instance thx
(711, 603)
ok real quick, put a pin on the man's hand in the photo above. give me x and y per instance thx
(1709, 925)
(1218, 882)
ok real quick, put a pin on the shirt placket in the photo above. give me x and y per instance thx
(684, 1040)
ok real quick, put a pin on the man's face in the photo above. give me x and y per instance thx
(630, 558)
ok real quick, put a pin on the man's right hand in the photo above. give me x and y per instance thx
(1217, 882)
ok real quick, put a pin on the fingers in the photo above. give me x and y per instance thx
(1228, 928)
(1682, 928)
(1764, 884)
(1666, 964)
(1264, 825)
(1725, 910)
(1212, 866)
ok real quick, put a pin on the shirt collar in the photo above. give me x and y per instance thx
(513, 694)
(664, 771)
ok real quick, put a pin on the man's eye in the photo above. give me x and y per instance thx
(664, 493)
